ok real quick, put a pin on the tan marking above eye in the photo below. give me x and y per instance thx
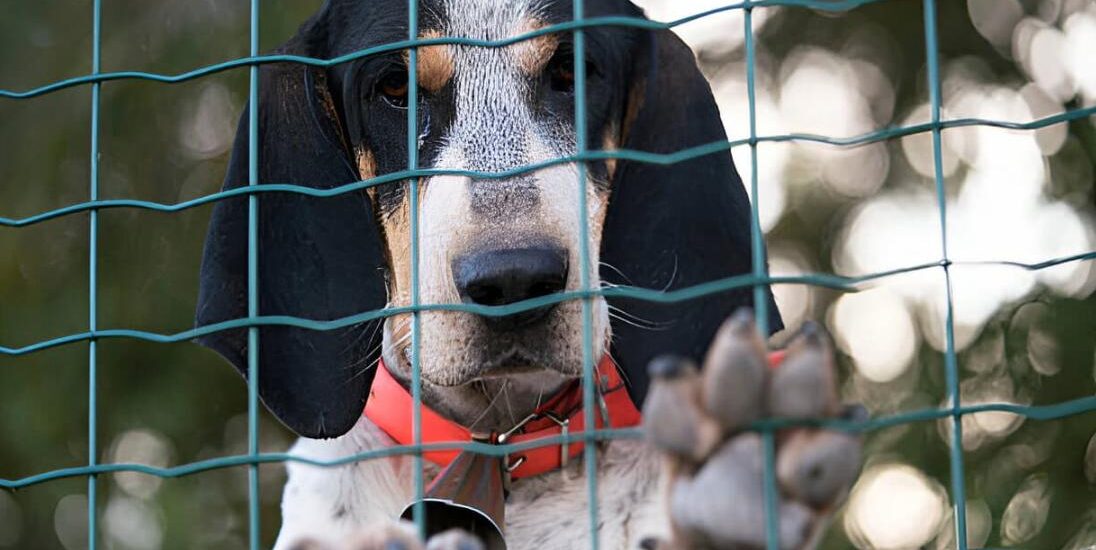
(533, 54)
(435, 63)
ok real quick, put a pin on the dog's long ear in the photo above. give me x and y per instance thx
(318, 258)
(674, 226)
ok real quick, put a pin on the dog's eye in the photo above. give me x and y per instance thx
(561, 70)
(393, 87)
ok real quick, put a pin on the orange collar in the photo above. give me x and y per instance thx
(389, 407)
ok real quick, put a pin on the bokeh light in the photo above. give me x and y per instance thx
(1080, 30)
(875, 329)
(852, 91)
(894, 506)
(988, 426)
(11, 521)
(1031, 325)
(1047, 64)
(708, 33)
(795, 301)
(70, 521)
(1026, 513)
(1090, 459)
(919, 149)
(811, 77)
(131, 523)
(979, 527)
(995, 19)
(140, 446)
(730, 90)
(1084, 535)
(1000, 213)
(208, 123)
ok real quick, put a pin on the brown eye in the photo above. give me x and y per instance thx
(561, 70)
(393, 86)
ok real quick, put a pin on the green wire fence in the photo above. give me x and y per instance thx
(954, 410)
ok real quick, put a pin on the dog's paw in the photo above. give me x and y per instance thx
(696, 417)
(381, 536)
(454, 539)
(392, 536)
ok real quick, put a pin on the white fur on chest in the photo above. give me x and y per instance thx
(545, 512)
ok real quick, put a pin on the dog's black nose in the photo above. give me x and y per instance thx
(500, 277)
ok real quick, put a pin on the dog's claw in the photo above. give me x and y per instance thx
(653, 543)
(674, 421)
(734, 373)
(716, 498)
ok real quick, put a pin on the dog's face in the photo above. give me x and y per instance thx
(503, 236)
(492, 241)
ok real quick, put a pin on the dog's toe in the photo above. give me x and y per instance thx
(308, 543)
(805, 384)
(395, 536)
(735, 373)
(454, 539)
(722, 506)
(673, 417)
(818, 466)
(708, 507)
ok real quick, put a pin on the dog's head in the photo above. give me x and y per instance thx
(483, 239)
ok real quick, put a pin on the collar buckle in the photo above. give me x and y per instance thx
(564, 424)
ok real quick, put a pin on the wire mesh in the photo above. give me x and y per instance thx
(418, 513)
(757, 279)
(93, 272)
(951, 368)
(254, 533)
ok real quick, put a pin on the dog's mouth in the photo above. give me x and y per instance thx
(515, 363)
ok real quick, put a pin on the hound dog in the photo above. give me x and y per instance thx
(487, 241)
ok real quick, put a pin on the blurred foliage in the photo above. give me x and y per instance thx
(181, 403)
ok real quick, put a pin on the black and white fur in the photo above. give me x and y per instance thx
(653, 226)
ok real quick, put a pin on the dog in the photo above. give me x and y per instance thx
(483, 240)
